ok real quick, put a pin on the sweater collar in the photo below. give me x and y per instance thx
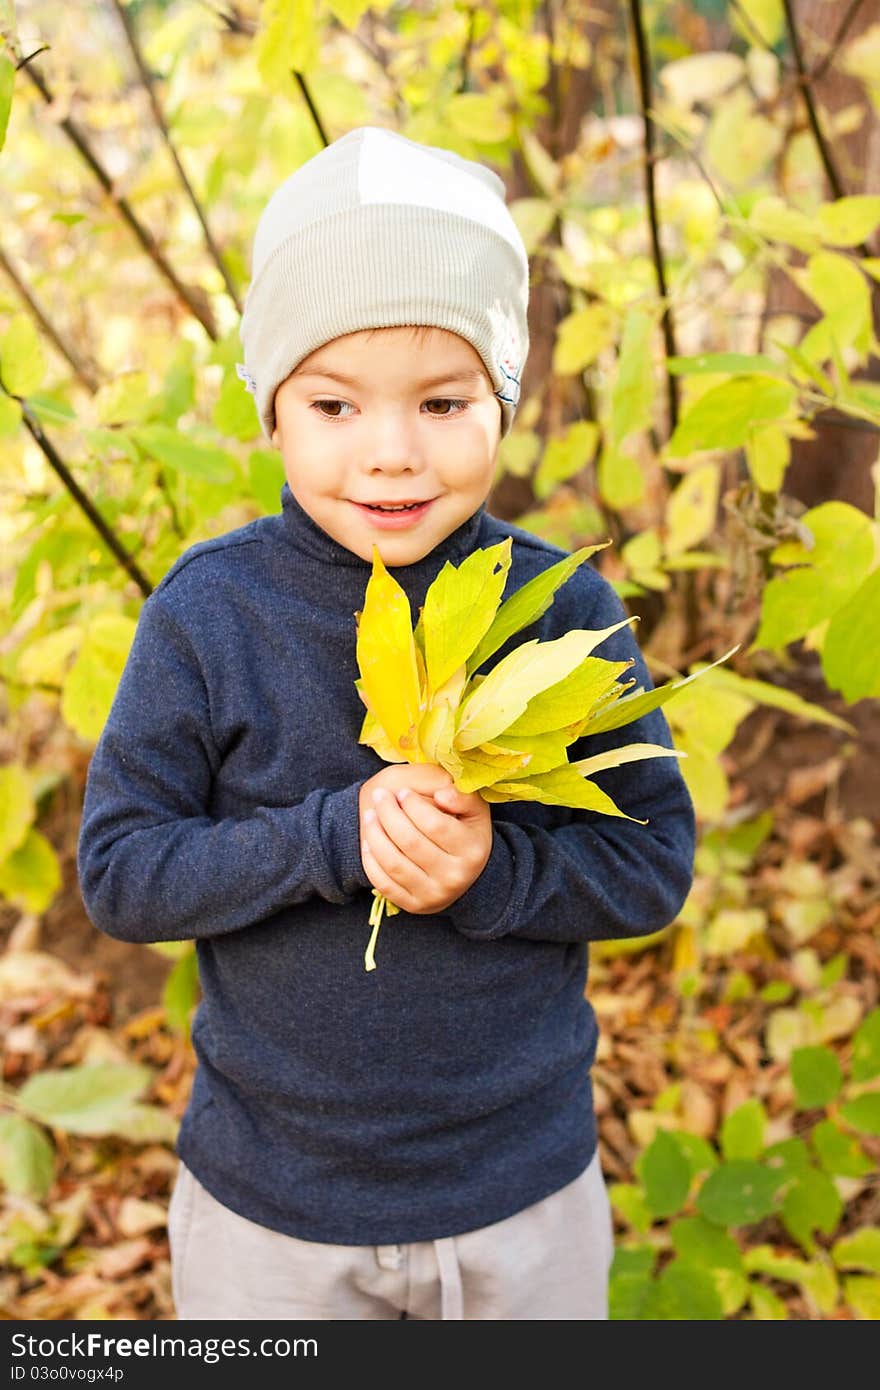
(303, 532)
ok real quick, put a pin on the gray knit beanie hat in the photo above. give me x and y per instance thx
(377, 231)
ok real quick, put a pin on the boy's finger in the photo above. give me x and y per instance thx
(451, 799)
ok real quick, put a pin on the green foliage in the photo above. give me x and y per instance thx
(712, 1199)
(95, 1099)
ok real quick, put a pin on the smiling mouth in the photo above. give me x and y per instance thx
(392, 507)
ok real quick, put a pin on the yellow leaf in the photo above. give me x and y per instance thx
(564, 786)
(17, 807)
(459, 609)
(691, 510)
(386, 655)
(629, 753)
(570, 699)
(530, 668)
(480, 767)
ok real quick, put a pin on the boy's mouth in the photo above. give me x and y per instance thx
(394, 515)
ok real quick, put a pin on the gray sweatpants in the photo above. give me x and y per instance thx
(549, 1261)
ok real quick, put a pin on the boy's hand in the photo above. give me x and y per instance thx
(422, 850)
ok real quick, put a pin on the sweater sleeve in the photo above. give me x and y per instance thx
(598, 877)
(153, 865)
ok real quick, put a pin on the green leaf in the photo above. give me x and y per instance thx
(27, 1159)
(738, 1193)
(266, 478)
(702, 1243)
(842, 293)
(459, 609)
(174, 450)
(742, 1132)
(665, 1175)
(10, 416)
(700, 1155)
(866, 1048)
(17, 807)
(22, 361)
(828, 576)
(839, 1153)
(766, 1305)
(725, 415)
(234, 413)
(683, 1293)
(287, 42)
(620, 477)
(772, 218)
(859, 1250)
(852, 641)
(629, 1199)
(630, 1282)
(863, 1113)
(730, 363)
(848, 221)
(816, 1277)
(143, 1124)
(7, 84)
(817, 1076)
(632, 395)
(123, 400)
(31, 875)
(787, 1158)
(91, 682)
(181, 991)
(565, 455)
(529, 603)
(862, 1293)
(812, 1203)
(86, 1099)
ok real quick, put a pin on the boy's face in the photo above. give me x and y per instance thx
(382, 435)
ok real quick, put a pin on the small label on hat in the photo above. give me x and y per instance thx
(246, 377)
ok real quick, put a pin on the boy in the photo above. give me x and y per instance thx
(418, 1141)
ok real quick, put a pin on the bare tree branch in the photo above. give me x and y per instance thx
(643, 67)
(105, 531)
(159, 117)
(84, 371)
(197, 306)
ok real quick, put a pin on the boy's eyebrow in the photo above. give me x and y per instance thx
(457, 374)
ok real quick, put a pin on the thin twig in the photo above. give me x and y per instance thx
(105, 531)
(82, 370)
(644, 83)
(824, 148)
(755, 31)
(159, 118)
(201, 311)
(307, 96)
(822, 67)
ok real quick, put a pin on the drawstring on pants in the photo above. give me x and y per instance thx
(451, 1299)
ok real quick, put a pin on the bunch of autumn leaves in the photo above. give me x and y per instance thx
(504, 734)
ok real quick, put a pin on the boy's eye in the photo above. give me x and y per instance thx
(457, 406)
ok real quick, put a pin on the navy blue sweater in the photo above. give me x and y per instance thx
(450, 1087)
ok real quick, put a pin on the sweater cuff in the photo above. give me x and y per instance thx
(341, 833)
(482, 910)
